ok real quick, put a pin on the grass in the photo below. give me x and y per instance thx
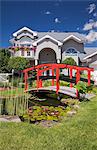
(76, 133)
(10, 92)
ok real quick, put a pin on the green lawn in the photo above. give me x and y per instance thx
(11, 92)
(76, 133)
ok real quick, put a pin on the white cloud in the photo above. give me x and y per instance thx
(91, 8)
(77, 28)
(95, 14)
(91, 36)
(52, 30)
(56, 20)
(95, 25)
(90, 25)
(47, 13)
(91, 20)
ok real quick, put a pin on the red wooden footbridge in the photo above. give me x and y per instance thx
(55, 70)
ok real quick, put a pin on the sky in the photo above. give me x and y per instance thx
(52, 15)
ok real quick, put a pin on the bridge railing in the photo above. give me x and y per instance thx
(55, 70)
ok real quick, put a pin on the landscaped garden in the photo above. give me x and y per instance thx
(70, 125)
(46, 120)
(72, 133)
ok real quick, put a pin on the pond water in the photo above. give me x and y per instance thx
(46, 99)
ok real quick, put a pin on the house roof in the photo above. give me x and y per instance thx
(24, 28)
(94, 63)
(90, 51)
(45, 37)
(60, 36)
(73, 37)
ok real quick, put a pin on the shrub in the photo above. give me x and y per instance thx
(63, 83)
(83, 88)
(4, 85)
(38, 113)
(69, 61)
(69, 102)
(18, 63)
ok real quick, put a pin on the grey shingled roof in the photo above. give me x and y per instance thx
(61, 35)
(88, 51)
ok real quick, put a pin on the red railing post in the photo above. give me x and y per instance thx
(26, 82)
(77, 76)
(89, 77)
(77, 80)
(40, 80)
(57, 80)
(71, 85)
(37, 79)
(52, 75)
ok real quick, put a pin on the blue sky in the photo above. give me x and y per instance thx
(58, 15)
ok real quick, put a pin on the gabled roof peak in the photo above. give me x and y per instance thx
(49, 37)
(73, 37)
(23, 29)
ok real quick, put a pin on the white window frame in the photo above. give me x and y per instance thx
(29, 53)
(71, 54)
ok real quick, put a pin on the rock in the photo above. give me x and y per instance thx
(48, 123)
(76, 106)
(4, 120)
(10, 119)
(71, 113)
(15, 120)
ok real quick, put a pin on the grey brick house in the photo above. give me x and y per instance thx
(52, 47)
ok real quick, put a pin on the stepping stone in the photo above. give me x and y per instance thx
(15, 120)
(4, 120)
(89, 95)
(71, 113)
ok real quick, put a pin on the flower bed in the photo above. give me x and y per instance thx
(40, 113)
(24, 48)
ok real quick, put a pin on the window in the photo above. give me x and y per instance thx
(27, 45)
(25, 39)
(28, 53)
(71, 51)
(22, 52)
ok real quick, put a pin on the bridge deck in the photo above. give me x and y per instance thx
(63, 90)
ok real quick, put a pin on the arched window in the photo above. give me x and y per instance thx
(71, 51)
(25, 41)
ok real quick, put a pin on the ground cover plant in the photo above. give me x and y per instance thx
(39, 113)
(73, 133)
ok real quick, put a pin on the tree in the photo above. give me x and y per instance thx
(18, 63)
(4, 58)
(69, 61)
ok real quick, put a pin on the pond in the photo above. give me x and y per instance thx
(46, 99)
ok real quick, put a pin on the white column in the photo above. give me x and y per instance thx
(45, 73)
(58, 61)
(50, 72)
(36, 62)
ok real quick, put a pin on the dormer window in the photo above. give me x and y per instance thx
(71, 51)
(28, 45)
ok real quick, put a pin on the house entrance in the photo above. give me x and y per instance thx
(46, 56)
